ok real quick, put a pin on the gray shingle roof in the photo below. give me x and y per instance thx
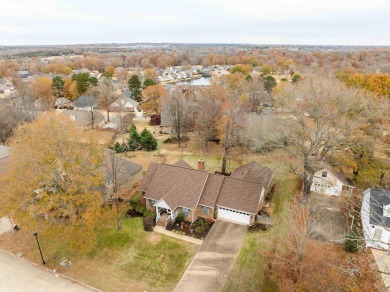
(86, 101)
(378, 198)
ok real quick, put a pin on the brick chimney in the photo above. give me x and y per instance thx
(201, 164)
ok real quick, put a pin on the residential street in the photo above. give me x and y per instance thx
(19, 275)
(210, 267)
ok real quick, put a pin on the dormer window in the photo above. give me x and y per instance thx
(324, 174)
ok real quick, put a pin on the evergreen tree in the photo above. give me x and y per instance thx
(149, 82)
(269, 83)
(57, 85)
(135, 87)
(134, 139)
(149, 143)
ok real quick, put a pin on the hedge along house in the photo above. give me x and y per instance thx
(178, 188)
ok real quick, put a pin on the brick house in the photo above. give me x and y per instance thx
(173, 189)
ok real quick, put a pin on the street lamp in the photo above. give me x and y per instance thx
(39, 247)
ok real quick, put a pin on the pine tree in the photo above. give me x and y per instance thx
(149, 143)
(134, 139)
(135, 87)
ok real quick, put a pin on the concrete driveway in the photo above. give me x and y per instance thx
(210, 267)
(382, 259)
(329, 225)
(17, 275)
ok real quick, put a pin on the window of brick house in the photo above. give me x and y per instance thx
(205, 210)
(185, 211)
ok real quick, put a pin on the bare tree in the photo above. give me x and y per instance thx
(116, 180)
(106, 94)
(178, 110)
(208, 115)
(231, 129)
(290, 257)
(320, 116)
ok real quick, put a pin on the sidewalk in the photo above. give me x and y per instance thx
(17, 275)
(162, 230)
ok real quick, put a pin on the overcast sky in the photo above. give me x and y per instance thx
(318, 22)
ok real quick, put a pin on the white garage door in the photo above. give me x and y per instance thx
(232, 215)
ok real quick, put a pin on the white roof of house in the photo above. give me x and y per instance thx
(123, 101)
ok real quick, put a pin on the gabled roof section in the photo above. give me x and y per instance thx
(148, 176)
(254, 172)
(238, 194)
(123, 101)
(378, 199)
(182, 163)
(178, 186)
(211, 190)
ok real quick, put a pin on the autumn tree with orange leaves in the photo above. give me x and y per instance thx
(54, 180)
(152, 96)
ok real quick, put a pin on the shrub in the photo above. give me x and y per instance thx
(352, 242)
(170, 223)
(296, 78)
(167, 141)
(149, 213)
(180, 218)
(140, 208)
(148, 223)
(155, 120)
(148, 142)
(200, 226)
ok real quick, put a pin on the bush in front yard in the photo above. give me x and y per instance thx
(180, 218)
(148, 223)
(200, 226)
(149, 213)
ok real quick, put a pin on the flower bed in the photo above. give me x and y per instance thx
(199, 229)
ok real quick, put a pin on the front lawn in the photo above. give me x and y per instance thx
(129, 260)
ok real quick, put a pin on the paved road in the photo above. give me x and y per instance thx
(210, 267)
(18, 275)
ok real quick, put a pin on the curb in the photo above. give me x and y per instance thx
(49, 270)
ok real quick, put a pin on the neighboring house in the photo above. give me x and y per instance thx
(62, 102)
(125, 172)
(164, 78)
(4, 157)
(85, 103)
(124, 104)
(325, 182)
(375, 215)
(174, 189)
(23, 74)
(86, 119)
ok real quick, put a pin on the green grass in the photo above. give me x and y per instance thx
(142, 261)
(284, 192)
(159, 264)
(212, 162)
(249, 268)
(132, 231)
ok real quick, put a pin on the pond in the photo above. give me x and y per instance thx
(204, 80)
